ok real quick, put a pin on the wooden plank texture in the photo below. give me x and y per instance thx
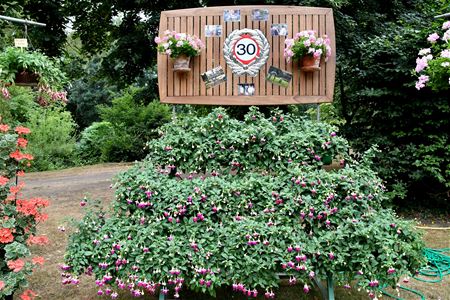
(189, 88)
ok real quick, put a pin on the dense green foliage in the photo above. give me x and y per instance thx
(52, 140)
(264, 207)
(133, 122)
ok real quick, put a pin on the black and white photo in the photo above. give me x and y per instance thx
(214, 77)
(246, 89)
(260, 14)
(279, 30)
(232, 15)
(213, 30)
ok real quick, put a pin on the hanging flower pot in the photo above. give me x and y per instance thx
(26, 78)
(180, 47)
(181, 64)
(309, 64)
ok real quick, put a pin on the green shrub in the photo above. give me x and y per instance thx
(18, 108)
(134, 123)
(52, 139)
(93, 140)
(265, 207)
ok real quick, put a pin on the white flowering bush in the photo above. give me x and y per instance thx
(176, 44)
(433, 64)
(305, 43)
(226, 203)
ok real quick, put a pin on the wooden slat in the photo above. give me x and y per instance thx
(315, 87)
(322, 79)
(316, 75)
(247, 100)
(196, 63)
(295, 68)
(302, 74)
(202, 60)
(282, 61)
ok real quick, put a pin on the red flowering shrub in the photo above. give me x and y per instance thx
(18, 217)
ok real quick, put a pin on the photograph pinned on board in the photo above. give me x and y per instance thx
(260, 15)
(246, 89)
(213, 30)
(279, 77)
(279, 29)
(232, 15)
(214, 77)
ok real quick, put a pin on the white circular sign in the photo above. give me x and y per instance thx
(246, 49)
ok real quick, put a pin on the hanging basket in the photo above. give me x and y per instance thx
(26, 78)
(309, 64)
(181, 64)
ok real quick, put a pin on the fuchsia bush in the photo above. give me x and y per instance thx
(221, 202)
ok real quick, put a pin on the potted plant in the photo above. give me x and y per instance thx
(309, 49)
(180, 47)
(24, 67)
(433, 64)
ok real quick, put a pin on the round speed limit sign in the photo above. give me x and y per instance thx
(246, 51)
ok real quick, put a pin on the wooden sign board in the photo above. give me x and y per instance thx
(190, 88)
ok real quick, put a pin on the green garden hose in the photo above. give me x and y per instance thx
(438, 266)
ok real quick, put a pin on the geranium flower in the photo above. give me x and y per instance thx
(22, 130)
(6, 235)
(4, 127)
(38, 260)
(16, 265)
(2, 285)
(37, 240)
(3, 180)
(21, 142)
(28, 295)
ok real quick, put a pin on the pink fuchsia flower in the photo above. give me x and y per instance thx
(306, 288)
(432, 38)
(446, 25)
(445, 53)
(425, 51)
(373, 283)
(347, 286)
(331, 255)
(292, 281)
(6, 93)
(421, 82)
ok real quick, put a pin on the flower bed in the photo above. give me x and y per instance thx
(220, 202)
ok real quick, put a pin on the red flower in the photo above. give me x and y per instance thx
(20, 173)
(22, 130)
(28, 295)
(32, 208)
(16, 189)
(16, 265)
(4, 127)
(3, 180)
(2, 285)
(38, 260)
(17, 155)
(37, 240)
(21, 142)
(6, 235)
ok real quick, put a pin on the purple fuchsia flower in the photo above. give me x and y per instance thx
(312, 274)
(108, 291)
(292, 281)
(297, 248)
(290, 249)
(331, 255)
(306, 288)
(99, 292)
(65, 267)
(391, 271)
(373, 283)
(114, 295)
(347, 286)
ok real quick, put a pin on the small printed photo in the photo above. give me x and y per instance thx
(214, 77)
(213, 30)
(279, 77)
(279, 29)
(260, 14)
(246, 89)
(232, 15)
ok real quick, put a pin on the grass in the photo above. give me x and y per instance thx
(66, 188)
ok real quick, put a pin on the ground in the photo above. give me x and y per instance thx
(66, 188)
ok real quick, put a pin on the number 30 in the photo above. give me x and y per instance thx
(242, 49)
